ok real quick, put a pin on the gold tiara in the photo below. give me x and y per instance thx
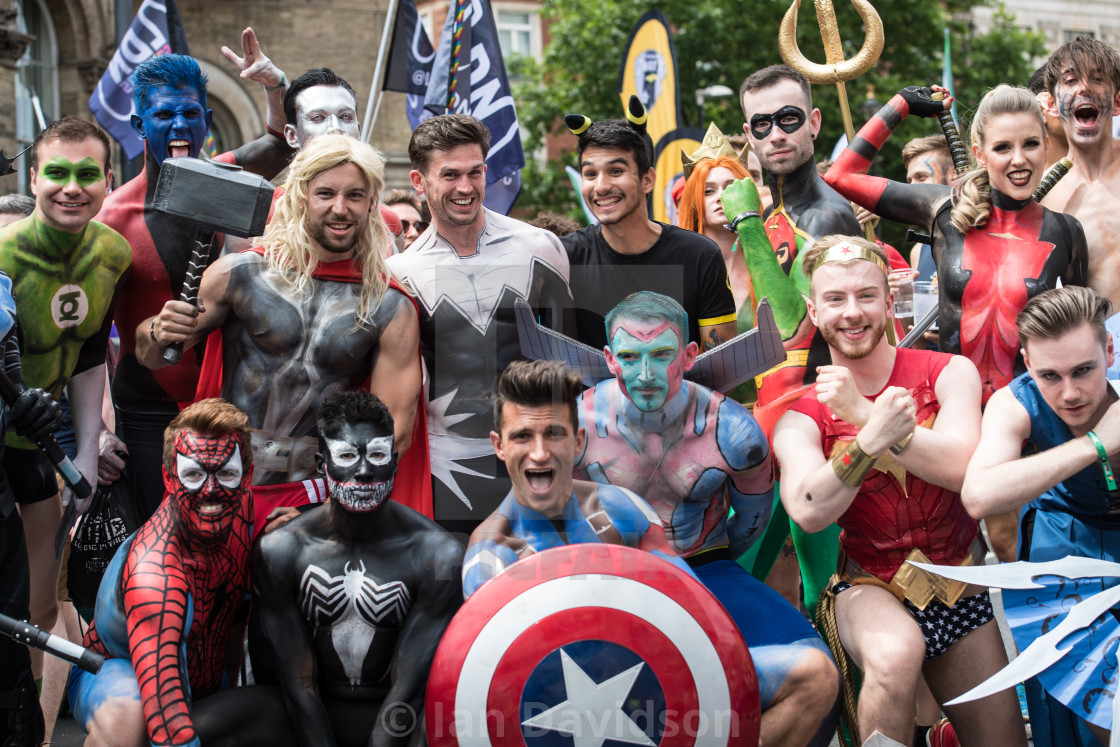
(713, 145)
(847, 252)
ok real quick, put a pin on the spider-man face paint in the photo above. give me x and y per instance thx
(359, 464)
(208, 485)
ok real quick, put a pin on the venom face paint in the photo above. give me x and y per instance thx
(647, 358)
(359, 464)
(208, 484)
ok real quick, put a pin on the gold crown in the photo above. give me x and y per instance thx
(714, 145)
(846, 251)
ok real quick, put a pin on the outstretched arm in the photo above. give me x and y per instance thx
(770, 281)
(905, 203)
(999, 479)
(288, 636)
(269, 154)
(438, 596)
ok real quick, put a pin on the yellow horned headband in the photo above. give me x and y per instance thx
(847, 252)
(714, 145)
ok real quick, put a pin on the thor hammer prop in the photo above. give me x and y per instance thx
(214, 197)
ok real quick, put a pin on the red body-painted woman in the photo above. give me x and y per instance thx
(994, 246)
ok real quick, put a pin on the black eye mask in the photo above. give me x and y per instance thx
(762, 124)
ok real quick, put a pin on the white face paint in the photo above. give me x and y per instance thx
(360, 472)
(193, 475)
(322, 110)
(345, 454)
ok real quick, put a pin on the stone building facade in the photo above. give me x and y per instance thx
(53, 52)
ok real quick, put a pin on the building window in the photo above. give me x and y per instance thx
(36, 77)
(519, 32)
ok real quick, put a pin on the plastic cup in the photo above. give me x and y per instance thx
(903, 294)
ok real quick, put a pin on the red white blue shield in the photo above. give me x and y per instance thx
(592, 646)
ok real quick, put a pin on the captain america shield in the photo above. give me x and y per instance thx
(592, 645)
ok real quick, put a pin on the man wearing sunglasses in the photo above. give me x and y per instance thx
(781, 126)
(404, 203)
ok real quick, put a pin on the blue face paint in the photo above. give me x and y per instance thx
(174, 123)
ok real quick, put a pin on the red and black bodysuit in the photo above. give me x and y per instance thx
(986, 275)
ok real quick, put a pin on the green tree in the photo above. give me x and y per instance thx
(723, 41)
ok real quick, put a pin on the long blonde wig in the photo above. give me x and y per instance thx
(286, 242)
(972, 198)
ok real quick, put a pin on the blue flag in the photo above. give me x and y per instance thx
(410, 62)
(481, 89)
(156, 29)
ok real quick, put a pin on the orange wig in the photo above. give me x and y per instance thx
(690, 213)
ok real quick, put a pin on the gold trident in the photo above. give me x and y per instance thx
(838, 69)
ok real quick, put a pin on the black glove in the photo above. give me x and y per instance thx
(35, 414)
(920, 101)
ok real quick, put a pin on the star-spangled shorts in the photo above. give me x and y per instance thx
(943, 626)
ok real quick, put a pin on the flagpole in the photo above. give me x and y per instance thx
(379, 70)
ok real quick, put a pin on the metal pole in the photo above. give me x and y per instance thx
(378, 71)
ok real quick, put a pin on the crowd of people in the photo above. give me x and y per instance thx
(352, 443)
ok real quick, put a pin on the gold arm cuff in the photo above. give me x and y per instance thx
(851, 464)
(899, 447)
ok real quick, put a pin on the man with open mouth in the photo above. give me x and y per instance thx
(1083, 78)
(353, 597)
(538, 437)
(693, 454)
(169, 599)
(173, 119)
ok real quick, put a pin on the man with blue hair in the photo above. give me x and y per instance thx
(172, 118)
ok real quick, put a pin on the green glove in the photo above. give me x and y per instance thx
(769, 280)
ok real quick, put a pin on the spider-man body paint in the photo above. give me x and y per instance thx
(985, 275)
(171, 593)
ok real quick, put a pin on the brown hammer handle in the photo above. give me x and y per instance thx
(1052, 177)
(957, 149)
(197, 265)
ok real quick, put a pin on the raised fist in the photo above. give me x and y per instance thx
(740, 197)
(921, 103)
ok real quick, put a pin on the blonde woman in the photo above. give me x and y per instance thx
(995, 247)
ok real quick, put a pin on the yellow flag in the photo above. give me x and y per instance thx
(669, 167)
(649, 70)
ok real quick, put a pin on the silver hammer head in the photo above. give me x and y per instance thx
(214, 196)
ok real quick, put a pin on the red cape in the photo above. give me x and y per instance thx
(412, 486)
